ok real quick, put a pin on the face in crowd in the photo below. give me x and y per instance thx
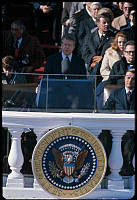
(127, 6)
(16, 31)
(103, 25)
(94, 10)
(130, 80)
(67, 46)
(129, 53)
(121, 42)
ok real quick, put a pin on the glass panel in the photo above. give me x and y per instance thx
(56, 93)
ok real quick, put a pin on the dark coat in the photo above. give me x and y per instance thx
(30, 45)
(93, 46)
(85, 26)
(66, 12)
(66, 15)
(118, 72)
(117, 102)
(53, 65)
(76, 18)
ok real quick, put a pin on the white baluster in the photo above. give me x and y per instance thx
(116, 160)
(15, 160)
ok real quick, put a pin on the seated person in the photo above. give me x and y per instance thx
(113, 54)
(129, 29)
(96, 44)
(65, 62)
(26, 48)
(122, 100)
(10, 76)
(118, 71)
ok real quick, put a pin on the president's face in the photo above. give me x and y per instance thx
(130, 80)
(67, 47)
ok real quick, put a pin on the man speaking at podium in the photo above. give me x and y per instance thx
(65, 62)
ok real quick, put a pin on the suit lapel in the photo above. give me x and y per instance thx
(123, 98)
(96, 38)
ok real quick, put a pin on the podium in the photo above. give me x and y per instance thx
(65, 94)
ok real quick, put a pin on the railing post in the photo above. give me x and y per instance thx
(116, 160)
(15, 160)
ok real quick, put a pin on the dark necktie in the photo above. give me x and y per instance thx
(102, 38)
(128, 96)
(16, 49)
(65, 65)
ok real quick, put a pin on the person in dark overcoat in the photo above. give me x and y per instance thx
(29, 53)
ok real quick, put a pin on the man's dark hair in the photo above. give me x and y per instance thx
(20, 23)
(132, 70)
(130, 42)
(68, 36)
(103, 15)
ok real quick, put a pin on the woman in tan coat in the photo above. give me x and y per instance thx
(113, 54)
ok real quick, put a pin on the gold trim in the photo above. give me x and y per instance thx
(66, 131)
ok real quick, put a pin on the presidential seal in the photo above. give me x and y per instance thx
(69, 162)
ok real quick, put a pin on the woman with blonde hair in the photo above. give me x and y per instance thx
(113, 54)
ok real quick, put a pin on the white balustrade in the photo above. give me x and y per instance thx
(93, 122)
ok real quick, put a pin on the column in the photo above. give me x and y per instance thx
(39, 134)
(15, 160)
(116, 160)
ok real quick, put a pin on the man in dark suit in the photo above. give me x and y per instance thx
(98, 41)
(96, 44)
(65, 18)
(87, 22)
(26, 48)
(122, 100)
(75, 64)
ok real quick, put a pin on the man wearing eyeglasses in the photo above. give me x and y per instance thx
(123, 19)
(120, 67)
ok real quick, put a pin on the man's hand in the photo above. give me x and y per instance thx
(45, 8)
(96, 60)
(67, 22)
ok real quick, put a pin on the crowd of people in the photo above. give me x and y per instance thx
(96, 40)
